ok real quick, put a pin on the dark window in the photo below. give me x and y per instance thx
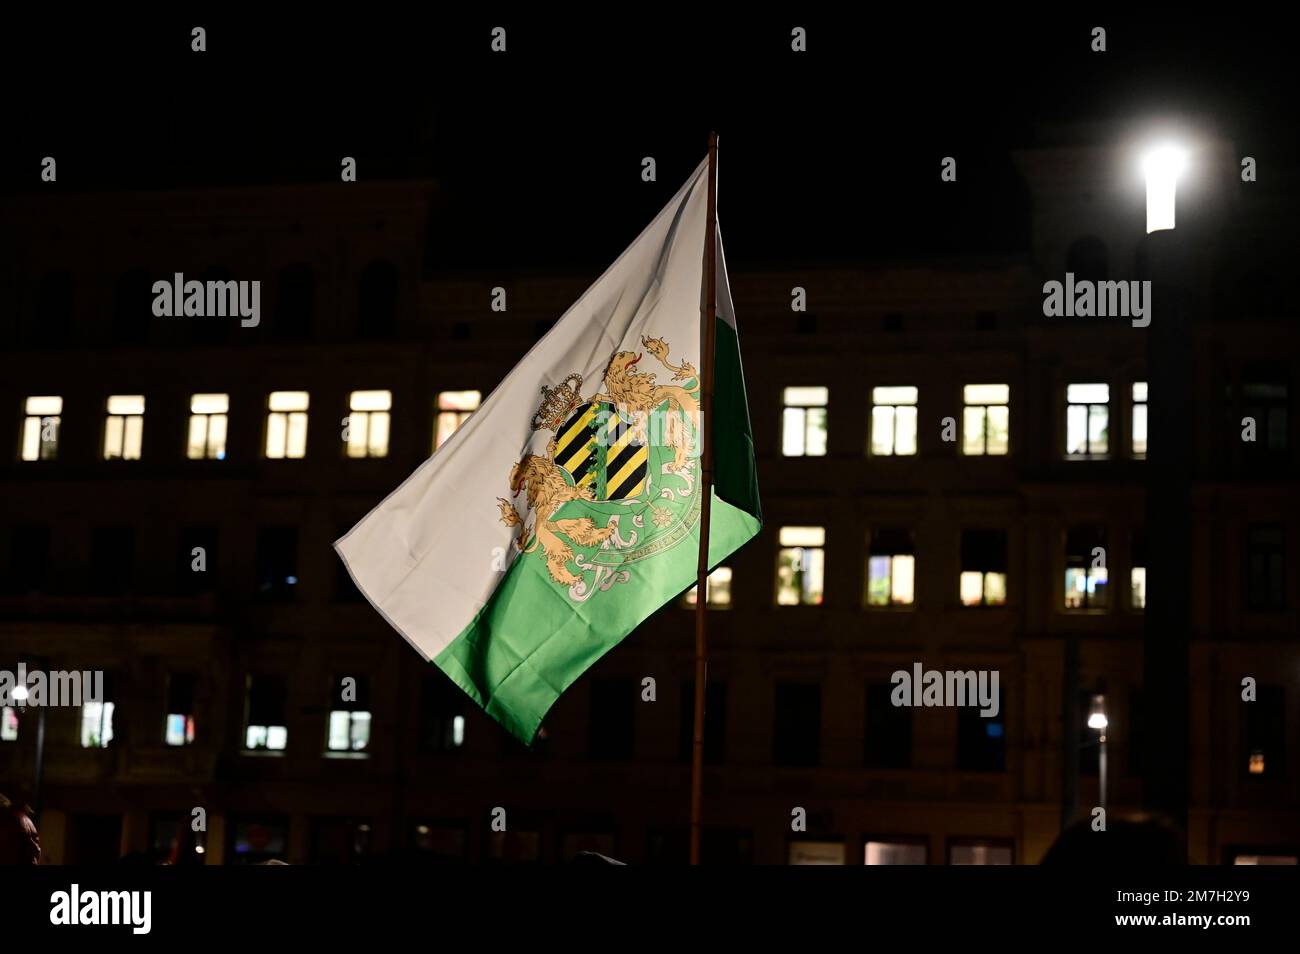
(1265, 398)
(986, 321)
(29, 558)
(253, 840)
(442, 714)
(132, 307)
(54, 305)
(294, 306)
(112, 560)
(1087, 259)
(887, 741)
(203, 579)
(1265, 755)
(378, 300)
(340, 841)
(1265, 571)
(797, 732)
(981, 742)
(213, 328)
(277, 562)
(715, 721)
(612, 722)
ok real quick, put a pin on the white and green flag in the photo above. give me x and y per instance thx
(566, 510)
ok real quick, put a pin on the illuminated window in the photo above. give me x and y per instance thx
(1265, 860)
(124, 427)
(966, 852)
(1139, 419)
(983, 568)
(800, 566)
(208, 426)
(986, 419)
(41, 427)
(891, 568)
(442, 715)
(718, 587)
(349, 725)
(1137, 573)
(1087, 420)
(895, 853)
(266, 727)
(803, 422)
(454, 409)
(368, 423)
(893, 421)
(286, 424)
(178, 727)
(816, 853)
(1265, 741)
(8, 724)
(96, 725)
(1085, 584)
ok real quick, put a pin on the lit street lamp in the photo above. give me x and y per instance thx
(1162, 166)
(1097, 720)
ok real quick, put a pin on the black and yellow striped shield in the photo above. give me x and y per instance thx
(596, 447)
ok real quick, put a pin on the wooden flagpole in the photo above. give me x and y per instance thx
(709, 316)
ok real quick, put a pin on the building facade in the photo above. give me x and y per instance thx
(940, 466)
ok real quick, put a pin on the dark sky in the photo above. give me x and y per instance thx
(827, 156)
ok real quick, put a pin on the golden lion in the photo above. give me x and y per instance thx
(548, 491)
(635, 393)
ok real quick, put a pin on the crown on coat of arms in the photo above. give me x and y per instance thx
(558, 403)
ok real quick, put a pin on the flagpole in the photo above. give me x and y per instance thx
(709, 318)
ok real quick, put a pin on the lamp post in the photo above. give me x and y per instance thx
(1097, 720)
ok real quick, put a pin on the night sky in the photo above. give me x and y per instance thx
(828, 157)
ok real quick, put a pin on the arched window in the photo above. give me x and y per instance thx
(1087, 259)
(294, 304)
(377, 306)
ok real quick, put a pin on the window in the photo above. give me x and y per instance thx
(1088, 259)
(178, 728)
(891, 568)
(1087, 420)
(442, 715)
(718, 587)
(803, 422)
(377, 298)
(978, 852)
(8, 724)
(1137, 574)
(266, 729)
(816, 853)
(1085, 582)
(29, 559)
(796, 738)
(345, 588)
(97, 719)
(1265, 398)
(613, 718)
(255, 840)
(41, 427)
(295, 303)
(207, 440)
(454, 409)
(440, 843)
(983, 568)
(910, 852)
(800, 566)
(277, 562)
(1139, 423)
(286, 425)
(1260, 859)
(1265, 572)
(1266, 734)
(986, 419)
(197, 572)
(715, 721)
(981, 742)
(893, 421)
(349, 725)
(112, 560)
(887, 742)
(340, 841)
(124, 427)
(367, 434)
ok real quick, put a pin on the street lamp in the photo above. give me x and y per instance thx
(1162, 166)
(1097, 720)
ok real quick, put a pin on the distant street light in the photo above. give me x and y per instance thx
(1162, 167)
(1097, 720)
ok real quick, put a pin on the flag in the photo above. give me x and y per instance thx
(566, 509)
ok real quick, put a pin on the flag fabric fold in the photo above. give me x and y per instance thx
(566, 510)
